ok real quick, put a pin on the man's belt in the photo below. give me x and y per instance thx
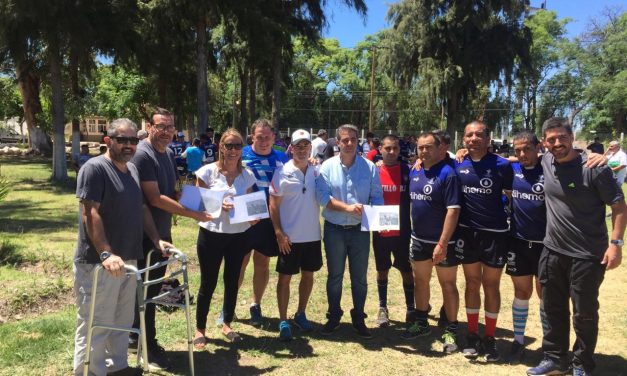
(343, 227)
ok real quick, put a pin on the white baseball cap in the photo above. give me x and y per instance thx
(300, 134)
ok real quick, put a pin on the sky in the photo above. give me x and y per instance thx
(348, 27)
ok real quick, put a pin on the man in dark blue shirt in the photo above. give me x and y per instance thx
(481, 247)
(435, 193)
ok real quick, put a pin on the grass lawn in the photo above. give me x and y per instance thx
(38, 223)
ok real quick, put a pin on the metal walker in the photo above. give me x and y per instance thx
(142, 289)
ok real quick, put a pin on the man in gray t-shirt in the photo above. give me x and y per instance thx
(157, 175)
(111, 222)
(576, 252)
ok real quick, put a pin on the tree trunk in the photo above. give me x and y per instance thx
(76, 125)
(252, 88)
(59, 164)
(29, 84)
(277, 87)
(243, 92)
(202, 96)
(452, 118)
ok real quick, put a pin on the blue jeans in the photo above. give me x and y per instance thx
(340, 243)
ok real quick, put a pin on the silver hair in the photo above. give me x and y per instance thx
(346, 127)
(121, 122)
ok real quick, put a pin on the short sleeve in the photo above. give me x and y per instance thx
(275, 185)
(145, 165)
(204, 174)
(249, 178)
(607, 187)
(452, 191)
(508, 176)
(90, 183)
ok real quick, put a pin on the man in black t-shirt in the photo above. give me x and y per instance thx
(576, 253)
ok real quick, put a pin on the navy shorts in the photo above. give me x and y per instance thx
(487, 247)
(384, 247)
(263, 239)
(423, 251)
(304, 256)
(523, 257)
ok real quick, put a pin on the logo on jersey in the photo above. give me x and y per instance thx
(464, 171)
(486, 183)
(427, 189)
(538, 188)
(519, 175)
(417, 178)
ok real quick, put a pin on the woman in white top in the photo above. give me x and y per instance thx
(219, 239)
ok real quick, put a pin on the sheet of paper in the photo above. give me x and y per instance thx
(198, 198)
(380, 217)
(190, 197)
(249, 207)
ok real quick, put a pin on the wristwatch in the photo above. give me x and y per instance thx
(104, 255)
(618, 242)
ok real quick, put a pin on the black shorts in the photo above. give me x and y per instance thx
(422, 251)
(487, 247)
(304, 256)
(523, 257)
(263, 239)
(385, 247)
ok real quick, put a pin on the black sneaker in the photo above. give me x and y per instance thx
(516, 353)
(491, 352)
(362, 330)
(157, 358)
(330, 326)
(473, 346)
(416, 329)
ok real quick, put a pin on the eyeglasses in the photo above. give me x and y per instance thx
(126, 140)
(165, 127)
(233, 146)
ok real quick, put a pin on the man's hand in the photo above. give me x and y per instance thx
(354, 209)
(595, 160)
(162, 245)
(612, 257)
(439, 254)
(379, 163)
(201, 216)
(114, 265)
(313, 161)
(417, 165)
(461, 154)
(284, 242)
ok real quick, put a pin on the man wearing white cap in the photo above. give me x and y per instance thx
(294, 213)
(617, 161)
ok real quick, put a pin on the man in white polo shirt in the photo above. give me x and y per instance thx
(295, 215)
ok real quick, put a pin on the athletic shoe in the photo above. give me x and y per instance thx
(473, 346)
(410, 316)
(383, 318)
(329, 327)
(301, 322)
(362, 330)
(579, 371)
(157, 358)
(547, 367)
(442, 320)
(449, 338)
(516, 352)
(491, 352)
(256, 318)
(285, 332)
(417, 329)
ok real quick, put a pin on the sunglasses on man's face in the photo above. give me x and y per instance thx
(126, 140)
(233, 146)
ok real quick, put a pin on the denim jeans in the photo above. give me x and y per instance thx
(340, 244)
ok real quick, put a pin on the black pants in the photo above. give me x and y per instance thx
(153, 290)
(212, 247)
(563, 277)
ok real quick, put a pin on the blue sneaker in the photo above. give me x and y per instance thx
(547, 367)
(301, 322)
(256, 319)
(285, 332)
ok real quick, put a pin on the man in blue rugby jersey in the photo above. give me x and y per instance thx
(482, 244)
(435, 193)
(263, 160)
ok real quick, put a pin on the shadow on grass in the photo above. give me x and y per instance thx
(27, 216)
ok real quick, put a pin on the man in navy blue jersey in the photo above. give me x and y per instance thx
(435, 193)
(482, 243)
(528, 225)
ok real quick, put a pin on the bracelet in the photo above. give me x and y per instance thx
(442, 246)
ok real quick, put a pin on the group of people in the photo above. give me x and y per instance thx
(451, 212)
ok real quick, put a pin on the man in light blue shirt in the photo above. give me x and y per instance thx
(346, 183)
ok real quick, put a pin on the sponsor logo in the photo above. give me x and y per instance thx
(420, 196)
(538, 188)
(528, 196)
(519, 175)
(416, 178)
(427, 189)
(464, 171)
(485, 191)
(571, 185)
(486, 182)
(389, 188)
